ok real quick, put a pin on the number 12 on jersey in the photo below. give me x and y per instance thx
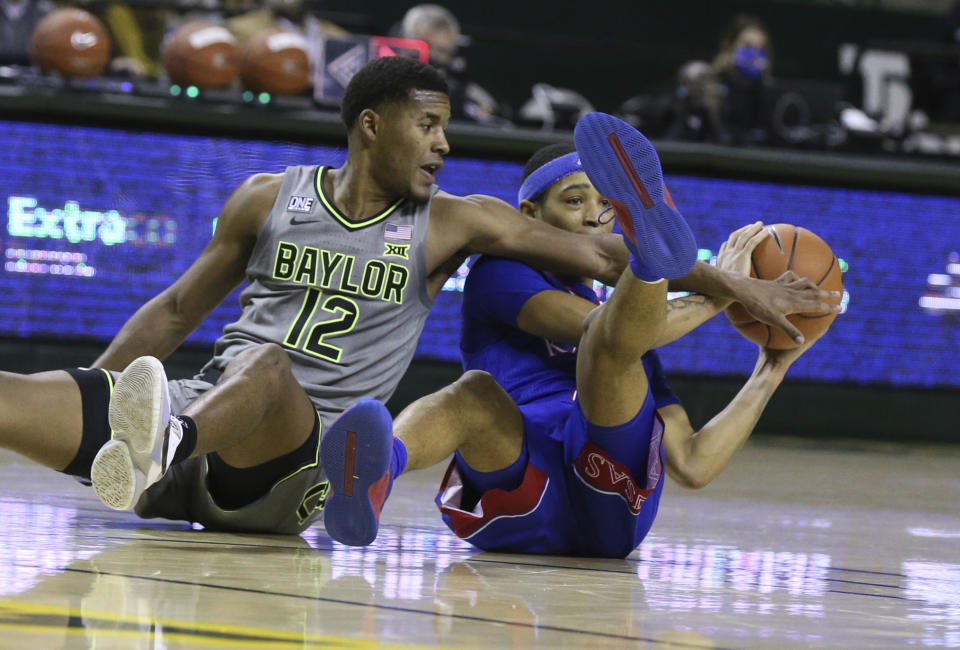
(345, 312)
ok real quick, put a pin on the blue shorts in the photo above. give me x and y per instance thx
(586, 490)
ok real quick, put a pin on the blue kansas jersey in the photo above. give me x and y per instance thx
(528, 367)
(587, 490)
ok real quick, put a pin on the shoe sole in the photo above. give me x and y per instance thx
(355, 453)
(115, 477)
(624, 167)
(139, 401)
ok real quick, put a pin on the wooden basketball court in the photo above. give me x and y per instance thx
(797, 544)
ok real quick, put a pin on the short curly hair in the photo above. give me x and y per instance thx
(544, 155)
(386, 80)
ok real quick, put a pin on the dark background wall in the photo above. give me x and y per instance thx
(609, 55)
(800, 409)
(610, 50)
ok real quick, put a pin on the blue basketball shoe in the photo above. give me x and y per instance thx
(357, 454)
(625, 168)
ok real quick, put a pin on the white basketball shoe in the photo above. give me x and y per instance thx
(145, 436)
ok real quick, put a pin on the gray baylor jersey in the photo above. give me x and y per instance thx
(346, 300)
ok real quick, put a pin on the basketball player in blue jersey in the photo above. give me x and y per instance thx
(561, 444)
(342, 266)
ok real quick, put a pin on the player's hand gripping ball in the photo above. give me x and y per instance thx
(789, 248)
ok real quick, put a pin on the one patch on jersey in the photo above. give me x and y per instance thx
(300, 204)
(396, 250)
(398, 233)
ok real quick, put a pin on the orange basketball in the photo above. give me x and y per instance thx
(275, 61)
(71, 42)
(201, 54)
(789, 248)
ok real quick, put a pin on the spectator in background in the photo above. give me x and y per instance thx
(441, 30)
(935, 76)
(697, 102)
(137, 34)
(289, 15)
(18, 19)
(742, 66)
(723, 101)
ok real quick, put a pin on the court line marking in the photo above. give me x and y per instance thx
(631, 573)
(477, 555)
(393, 608)
(207, 634)
(891, 596)
(185, 638)
(443, 530)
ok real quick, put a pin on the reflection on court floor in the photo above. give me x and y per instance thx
(796, 545)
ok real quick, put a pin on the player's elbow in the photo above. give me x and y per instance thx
(168, 312)
(695, 481)
(174, 308)
(690, 477)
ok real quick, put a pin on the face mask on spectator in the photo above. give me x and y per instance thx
(752, 62)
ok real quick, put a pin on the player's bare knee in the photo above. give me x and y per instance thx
(484, 408)
(480, 393)
(634, 337)
(263, 356)
(275, 364)
(267, 364)
(490, 423)
(477, 382)
(274, 356)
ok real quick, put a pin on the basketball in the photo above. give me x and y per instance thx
(789, 248)
(201, 54)
(71, 42)
(276, 62)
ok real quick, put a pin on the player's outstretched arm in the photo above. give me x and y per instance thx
(694, 458)
(162, 324)
(559, 316)
(769, 301)
(717, 284)
(484, 224)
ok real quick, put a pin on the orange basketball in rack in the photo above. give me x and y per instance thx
(276, 62)
(790, 248)
(201, 54)
(71, 42)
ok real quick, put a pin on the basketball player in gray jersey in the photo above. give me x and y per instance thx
(342, 266)
(323, 276)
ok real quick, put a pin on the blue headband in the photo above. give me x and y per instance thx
(547, 175)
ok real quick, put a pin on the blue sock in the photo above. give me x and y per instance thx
(640, 271)
(398, 461)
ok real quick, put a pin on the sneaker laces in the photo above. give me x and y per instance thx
(172, 435)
